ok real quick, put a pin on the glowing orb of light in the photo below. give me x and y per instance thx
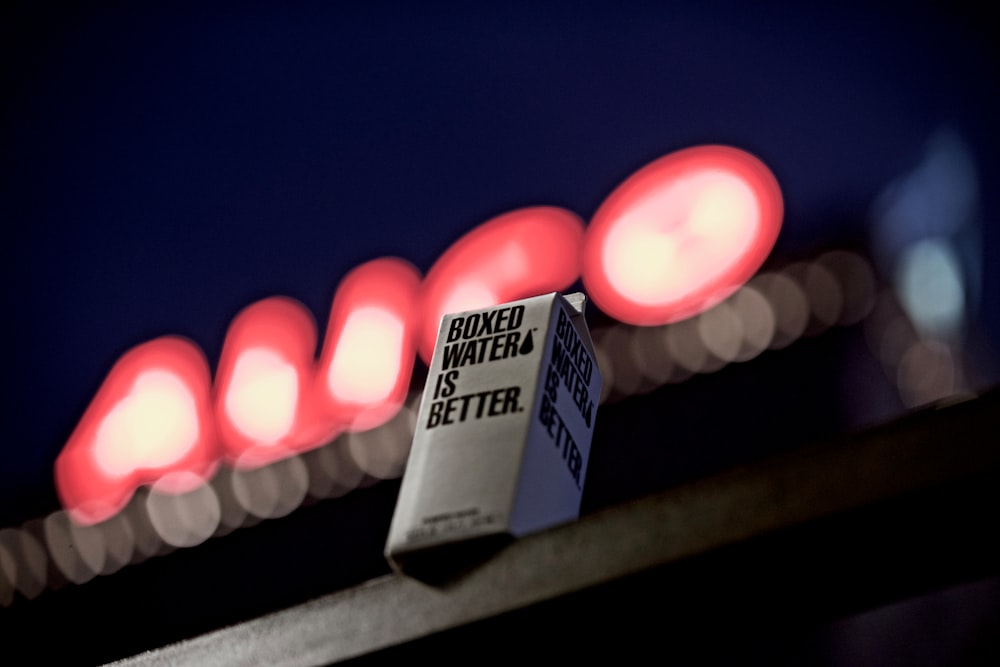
(681, 234)
(264, 395)
(263, 382)
(522, 253)
(150, 420)
(153, 426)
(367, 358)
(365, 367)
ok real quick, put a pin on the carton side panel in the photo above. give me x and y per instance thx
(559, 436)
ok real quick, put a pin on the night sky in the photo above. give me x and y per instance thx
(163, 165)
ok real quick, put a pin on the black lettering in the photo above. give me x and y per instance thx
(561, 435)
(471, 326)
(510, 346)
(455, 329)
(444, 386)
(504, 346)
(496, 349)
(452, 355)
(558, 355)
(550, 419)
(577, 384)
(516, 317)
(434, 418)
(551, 383)
(482, 403)
(502, 316)
(496, 403)
(487, 327)
(567, 371)
(561, 438)
(465, 407)
(476, 405)
(471, 354)
(575, 349)
(581, 395)
(449, 408)
(575, 462)
(511, 396)
(449, 383)
(479, 337)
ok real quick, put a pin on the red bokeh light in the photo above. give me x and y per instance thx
(681, 234)
(263, 384)
(150, 422)
(673, 239)
(526, 252)
(367, 359)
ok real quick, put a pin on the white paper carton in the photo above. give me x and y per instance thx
(503, 432)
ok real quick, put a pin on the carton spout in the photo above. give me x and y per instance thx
(577, 301)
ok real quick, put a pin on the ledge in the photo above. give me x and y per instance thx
(795, 541)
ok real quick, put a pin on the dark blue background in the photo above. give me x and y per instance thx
(165, 165)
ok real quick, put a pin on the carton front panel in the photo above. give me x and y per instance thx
(472, 424)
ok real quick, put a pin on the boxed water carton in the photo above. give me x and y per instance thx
(503, 432)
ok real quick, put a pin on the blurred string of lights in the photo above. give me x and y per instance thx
(676, 237)
(915, 320)
(776, 308)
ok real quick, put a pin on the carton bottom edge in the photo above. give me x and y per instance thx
(438, 563)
